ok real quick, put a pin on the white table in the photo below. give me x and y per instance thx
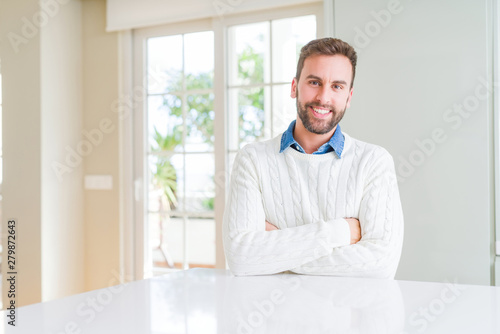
(214, 301)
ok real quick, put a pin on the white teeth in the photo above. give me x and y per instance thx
(321, 111)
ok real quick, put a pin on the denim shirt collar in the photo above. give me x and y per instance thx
(336, 143)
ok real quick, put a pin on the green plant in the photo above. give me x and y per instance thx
(165, 175)
(251, 101)
(208, 203)
(200, 115)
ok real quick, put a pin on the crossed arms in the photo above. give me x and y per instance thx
(354, 228)
(366, 246)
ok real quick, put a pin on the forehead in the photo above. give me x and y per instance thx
(337, 67)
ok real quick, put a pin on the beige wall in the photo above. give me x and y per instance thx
(100, 90)
(21, 132)
(59, 84)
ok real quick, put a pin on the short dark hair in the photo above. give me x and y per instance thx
(329, 47)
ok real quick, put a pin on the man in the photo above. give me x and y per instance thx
(315, 200)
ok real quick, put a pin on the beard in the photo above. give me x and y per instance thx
(315, 125)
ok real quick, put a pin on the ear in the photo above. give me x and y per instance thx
(293, 92)
(348, 103)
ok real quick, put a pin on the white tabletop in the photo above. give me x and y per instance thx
(214, 301)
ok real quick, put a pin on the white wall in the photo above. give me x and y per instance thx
(61, 123)
(414, 66)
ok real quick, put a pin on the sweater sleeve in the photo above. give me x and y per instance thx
(378, 252)
(250, 249)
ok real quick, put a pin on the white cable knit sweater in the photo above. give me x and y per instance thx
(307, 196)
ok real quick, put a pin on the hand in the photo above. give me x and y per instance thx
(355, 228)
(270, 227)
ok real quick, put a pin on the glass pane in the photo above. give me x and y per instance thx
(252, 121)
(165, 123)
(284, 109)
(199, 66)
(200, 123)
(167, 240)
(166, 184)
(201, 245)
(164, 56)
(289, 36)
(156, 197)
(200, 186)
(249, 54)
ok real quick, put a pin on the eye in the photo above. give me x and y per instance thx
(337, 86)
(314, 82)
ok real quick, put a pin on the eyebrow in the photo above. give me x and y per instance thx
(312, 76)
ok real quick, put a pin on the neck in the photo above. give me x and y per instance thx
(309, 141)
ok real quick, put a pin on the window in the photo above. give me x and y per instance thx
(262, 63)
(188, 86)
(180, 153)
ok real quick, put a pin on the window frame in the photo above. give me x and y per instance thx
(135, 258)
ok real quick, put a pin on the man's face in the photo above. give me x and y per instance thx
(323, 92)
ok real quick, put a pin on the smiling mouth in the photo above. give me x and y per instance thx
(320, 112)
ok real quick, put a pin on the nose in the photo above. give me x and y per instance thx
(323, 96)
